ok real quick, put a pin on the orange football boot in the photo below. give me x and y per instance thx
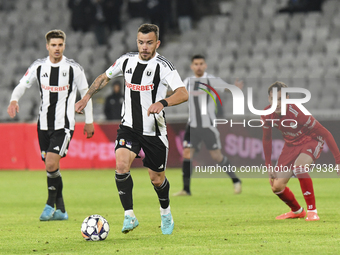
(291, 215)
(312, 216)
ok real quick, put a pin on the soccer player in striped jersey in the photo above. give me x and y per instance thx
(58, 79)
(147, 76)
(304, 137)
(200, 127)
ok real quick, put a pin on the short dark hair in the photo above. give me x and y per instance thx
(55, 33)
(197, 56)
(278, 84)
(148, 28)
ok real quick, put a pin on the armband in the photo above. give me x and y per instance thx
(164, 102)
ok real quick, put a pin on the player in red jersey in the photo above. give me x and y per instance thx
(304, 137)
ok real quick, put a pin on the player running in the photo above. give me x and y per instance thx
(304, 137)
(147, 76)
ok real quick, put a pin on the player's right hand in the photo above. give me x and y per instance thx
(13, 108)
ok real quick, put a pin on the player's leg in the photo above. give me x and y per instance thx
(306, 184)
(127, 148)
(59, 141)
(223, 161)
(162, 187)
(286, 195)
(124, 183)
(186, 164)
(156, 155)
(53, 184)
(283, 172)
(186, 171)
(211, 138)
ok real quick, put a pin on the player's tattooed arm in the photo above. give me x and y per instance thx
(99, 83)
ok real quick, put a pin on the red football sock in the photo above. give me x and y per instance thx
(288, 197)
(306, 185)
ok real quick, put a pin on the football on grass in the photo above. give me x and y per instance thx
(95, 228)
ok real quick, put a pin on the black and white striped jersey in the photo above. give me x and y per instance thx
(202, 107)
(58, 84)
(146, 82)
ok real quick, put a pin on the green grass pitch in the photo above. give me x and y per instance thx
(212, 221)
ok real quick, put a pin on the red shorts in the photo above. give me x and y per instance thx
(290, 153)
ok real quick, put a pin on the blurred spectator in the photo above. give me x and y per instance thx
(112, 10)
(302, 6)
(158, 13)
(185, 13)
(136, 8)
(99, 22)
(82, 12)
(113, 103)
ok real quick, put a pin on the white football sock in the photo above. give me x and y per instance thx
(129, 213)
(298, 211)
(312, 211)
(165, 211)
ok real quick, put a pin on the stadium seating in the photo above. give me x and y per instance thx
(248, 40)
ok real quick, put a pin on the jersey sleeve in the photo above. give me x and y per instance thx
(186, 83)
(116, 69)
(173, 80)
(82, 85)
(320, 130)
(25, 82)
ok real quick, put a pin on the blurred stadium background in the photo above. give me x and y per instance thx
(246, 39)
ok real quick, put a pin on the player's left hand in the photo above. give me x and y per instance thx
(238, 83)
(89, 130)
(81, 104)
(155, 108)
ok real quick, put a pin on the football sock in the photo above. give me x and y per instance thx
(124, 185)
(225, 162)
(186, 170)
(163, 193)
(53, 182)
(60, 200)
(298, 211)
(129, 213)
(306, 185)
(287, 196)
(165, 211)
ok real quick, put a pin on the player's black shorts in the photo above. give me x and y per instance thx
(56, 141)
(155, 147)
(194, 137)
(186, 141)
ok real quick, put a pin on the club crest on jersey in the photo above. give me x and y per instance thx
(136, 87)
(148, 72)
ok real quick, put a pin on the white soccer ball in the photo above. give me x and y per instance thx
(95, 228)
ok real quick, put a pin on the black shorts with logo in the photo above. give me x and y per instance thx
(56, 141)
(194, 137)
(155, 147)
